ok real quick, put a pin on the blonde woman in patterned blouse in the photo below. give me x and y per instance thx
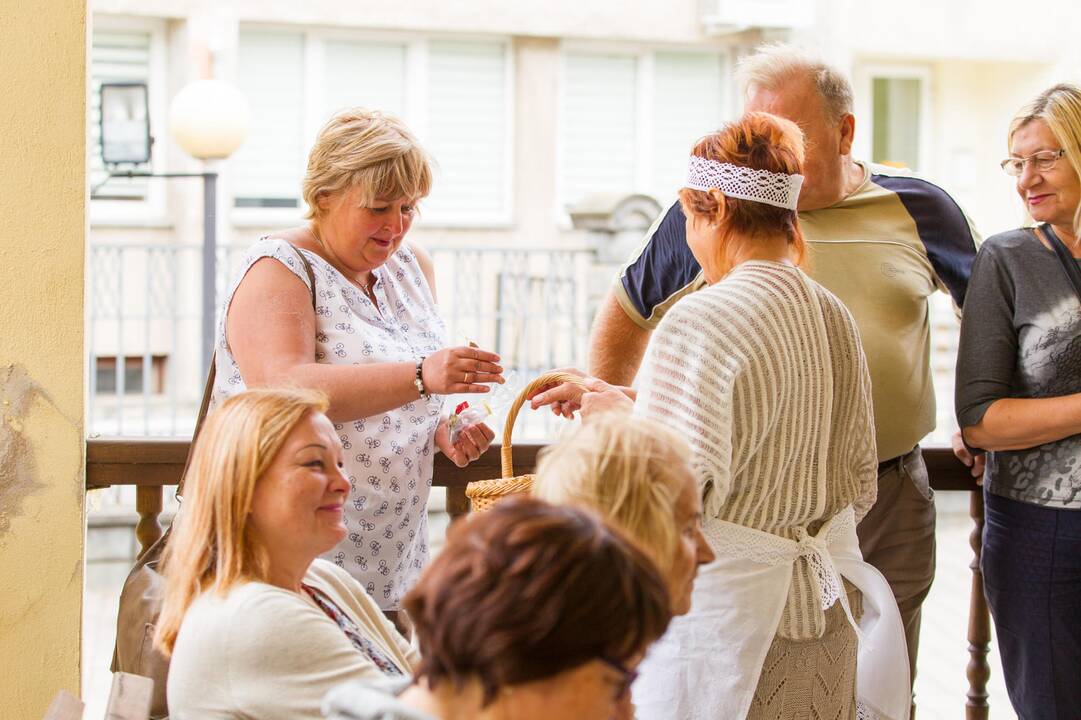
(374, 343)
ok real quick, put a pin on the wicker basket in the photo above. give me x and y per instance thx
(483, 494)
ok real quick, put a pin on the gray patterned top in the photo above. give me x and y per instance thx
(1021, 338)
(389, 456)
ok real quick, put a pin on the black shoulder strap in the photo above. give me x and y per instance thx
(208, 388)
(307, 271)
(1069, 264)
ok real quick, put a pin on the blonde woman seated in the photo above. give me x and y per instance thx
(256, 625)
(764, 374)
(638, 476)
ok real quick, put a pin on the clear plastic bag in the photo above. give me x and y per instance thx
(468, 414)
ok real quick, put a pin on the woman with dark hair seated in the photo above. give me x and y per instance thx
(531, 611)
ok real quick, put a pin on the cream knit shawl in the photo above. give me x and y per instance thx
(764, 374)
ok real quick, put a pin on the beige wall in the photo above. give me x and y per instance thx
(671, 21)
(961, 29)
(973, 103)
(42, 231)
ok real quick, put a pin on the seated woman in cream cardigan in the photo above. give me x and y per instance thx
(257, 626)
(764, 375)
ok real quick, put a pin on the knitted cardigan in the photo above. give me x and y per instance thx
(764, 374)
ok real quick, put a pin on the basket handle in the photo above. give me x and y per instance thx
(554, 377)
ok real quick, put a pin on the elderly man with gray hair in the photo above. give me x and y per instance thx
(882, 240)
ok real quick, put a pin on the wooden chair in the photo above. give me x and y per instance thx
(129, 699)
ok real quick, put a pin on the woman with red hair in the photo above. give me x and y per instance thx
(764, 374)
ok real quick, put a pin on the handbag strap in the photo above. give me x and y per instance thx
(208, 388)
(1069, 264)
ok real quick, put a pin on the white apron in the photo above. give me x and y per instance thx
(708, 663)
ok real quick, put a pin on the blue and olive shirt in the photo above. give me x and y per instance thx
(883, 250)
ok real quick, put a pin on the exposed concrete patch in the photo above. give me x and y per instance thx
(19, 478)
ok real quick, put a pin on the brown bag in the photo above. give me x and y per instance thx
(141, 598)
(144, 589)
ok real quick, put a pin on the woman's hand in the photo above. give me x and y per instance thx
(460, 370)
(563, 398)
(975, 462)
(606, 400)
(592, 396)
(472, 442)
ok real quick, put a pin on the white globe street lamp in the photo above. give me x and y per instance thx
(209, 119)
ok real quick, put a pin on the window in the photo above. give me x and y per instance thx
(896, 113)
(894, 101)
(688, 92)
(629, 120)
(140, 374)
(364, 73)
(125, 51)
(454, 95)
(600, 124)
(468, 106)
(268, 167)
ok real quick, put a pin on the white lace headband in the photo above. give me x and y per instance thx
(746, 183)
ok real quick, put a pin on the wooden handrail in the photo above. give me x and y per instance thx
(158, 462)
(151, 464)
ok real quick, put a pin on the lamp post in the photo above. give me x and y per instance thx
(209, 120)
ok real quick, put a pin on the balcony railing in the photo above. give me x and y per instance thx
(531, 305)
(151, 465)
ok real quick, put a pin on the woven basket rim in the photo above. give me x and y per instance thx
(497, 486)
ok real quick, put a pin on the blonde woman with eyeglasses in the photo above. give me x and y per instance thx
(1019, 399)
(257, 626)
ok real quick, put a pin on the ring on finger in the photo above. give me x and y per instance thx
(469, 378)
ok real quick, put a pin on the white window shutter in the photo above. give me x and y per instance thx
(687, 104)
(467, 131)
(597, 144)
(370, 75)
(115, 56)
(269, 166)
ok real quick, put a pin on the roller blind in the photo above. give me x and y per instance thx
(453, 94)
(269, 166)
(371, 75)
(598, 143)
(687, 104)
(467, 131)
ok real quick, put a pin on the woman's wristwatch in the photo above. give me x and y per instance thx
(418, 381)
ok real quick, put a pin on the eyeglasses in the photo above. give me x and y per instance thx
(627, 679)
(1043, 161)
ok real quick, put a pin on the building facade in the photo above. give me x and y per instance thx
(534, 113)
